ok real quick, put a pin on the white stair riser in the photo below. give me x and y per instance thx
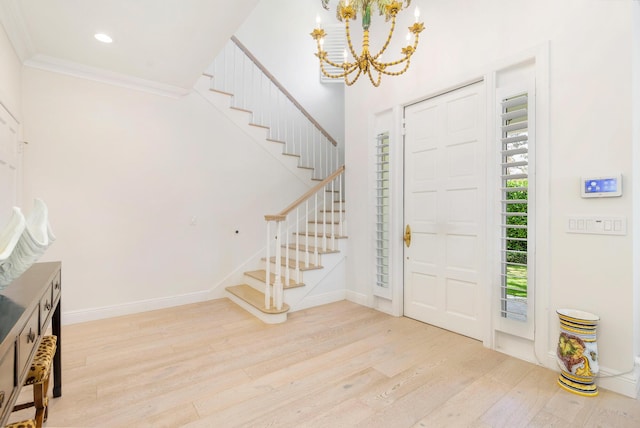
(332, 244)
(335, 216)
(254, 283)
(292, 253)
(330, 228)
(283, 271)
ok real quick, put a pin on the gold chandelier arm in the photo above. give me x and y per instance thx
(375, 83)
(346, 78)
(386, 43)
(348, 67)
(398, 73)
(408, 52)
(348, 34)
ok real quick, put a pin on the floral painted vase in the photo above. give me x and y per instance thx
(577, 352)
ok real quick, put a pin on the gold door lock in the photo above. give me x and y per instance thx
(407, 236)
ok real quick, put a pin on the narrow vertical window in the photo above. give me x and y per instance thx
(382, 210)
(516, 263)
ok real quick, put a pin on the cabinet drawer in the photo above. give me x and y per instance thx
(57, 287)
(27, 341)
(7, 377)
(46, 307)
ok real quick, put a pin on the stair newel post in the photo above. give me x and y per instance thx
(267, 285)
(277, 285)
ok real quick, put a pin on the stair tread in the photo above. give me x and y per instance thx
(311, 249)
(261, 275)
(255, 298)
(319, 221)
(292, 264)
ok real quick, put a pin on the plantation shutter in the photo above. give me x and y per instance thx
(382, 208)
(334, 45)
(515, 225)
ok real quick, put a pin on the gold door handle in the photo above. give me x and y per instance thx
(407, 236)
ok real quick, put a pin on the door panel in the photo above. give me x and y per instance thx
(444, 205)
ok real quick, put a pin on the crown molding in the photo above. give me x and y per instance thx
(56, 65)
(14, 25)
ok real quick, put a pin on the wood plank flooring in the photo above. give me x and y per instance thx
(340, 365)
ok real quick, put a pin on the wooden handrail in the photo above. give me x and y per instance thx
(282, 215)
(282, 89)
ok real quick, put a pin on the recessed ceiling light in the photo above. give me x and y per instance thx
(103, 38)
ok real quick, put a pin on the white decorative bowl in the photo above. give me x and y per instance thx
(35, 238)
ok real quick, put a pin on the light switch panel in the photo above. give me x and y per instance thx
(597, 225)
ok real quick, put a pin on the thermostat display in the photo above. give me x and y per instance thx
(599, 187)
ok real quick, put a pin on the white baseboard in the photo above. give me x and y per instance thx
(359, 298)
(74, 317)
(320, 299)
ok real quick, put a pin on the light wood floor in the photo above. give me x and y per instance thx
(341, 365)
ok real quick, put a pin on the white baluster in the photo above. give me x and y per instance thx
(324, 218)
(287, 264)
(306, 232)
(315, 238)
(340, 205)
(297, 246)
(333, 227)
(277, 285)
(267, 285)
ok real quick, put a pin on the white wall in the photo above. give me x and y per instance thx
(277, 33)
(10, 76)
(124, 172)
(10, 100)
(590, 133)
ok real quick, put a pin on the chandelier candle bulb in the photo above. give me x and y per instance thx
(416, 13)
(318, 23)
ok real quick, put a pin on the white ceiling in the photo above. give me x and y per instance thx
(161, 44)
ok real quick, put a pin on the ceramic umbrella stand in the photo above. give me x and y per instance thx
(578, 352)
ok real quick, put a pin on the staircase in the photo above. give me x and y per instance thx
(305, 247)
(312, 247)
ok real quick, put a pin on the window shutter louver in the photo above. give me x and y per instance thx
(515, 200)
(382, 210)
(334, 45)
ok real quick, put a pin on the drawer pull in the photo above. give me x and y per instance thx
(31, 337)
(56, 286)
(1, 399)
(47, 306)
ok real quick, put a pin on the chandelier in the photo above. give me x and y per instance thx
(366, 62)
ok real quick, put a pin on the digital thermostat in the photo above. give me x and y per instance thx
(601, 186)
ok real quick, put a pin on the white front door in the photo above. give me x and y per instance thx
(444, 196)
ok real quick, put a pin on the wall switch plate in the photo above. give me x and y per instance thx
(598, 225)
